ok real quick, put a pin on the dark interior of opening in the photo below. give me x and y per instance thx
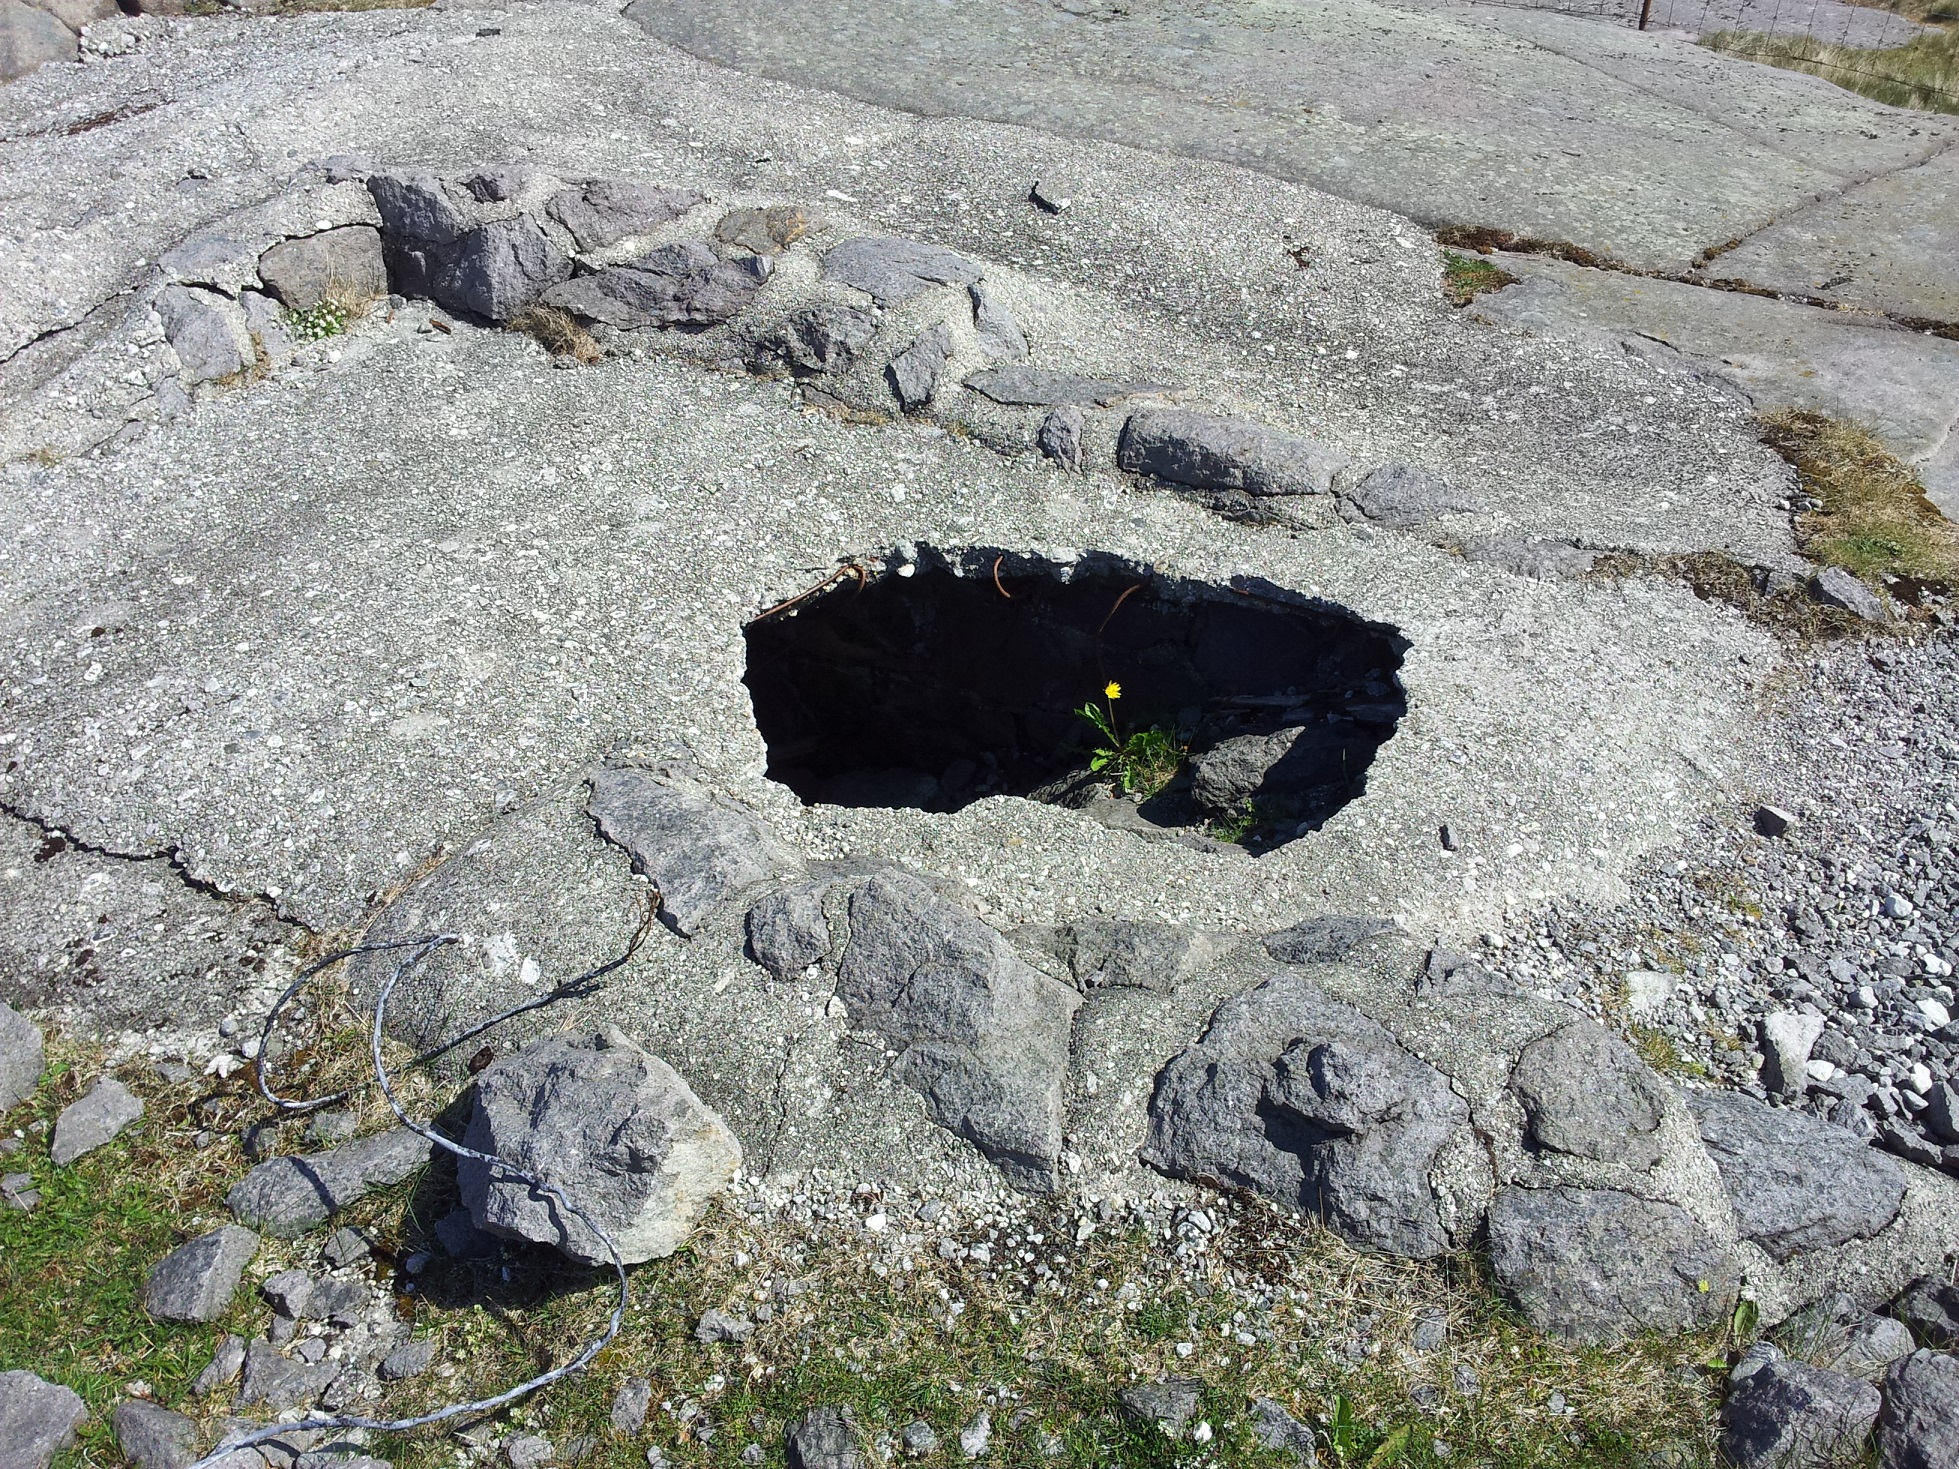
(933, 690)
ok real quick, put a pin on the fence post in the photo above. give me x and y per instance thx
(1645, 12)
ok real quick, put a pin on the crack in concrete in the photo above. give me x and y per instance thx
(173, 858)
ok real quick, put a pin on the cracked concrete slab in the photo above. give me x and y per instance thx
(1640, 147)
(1903, 384)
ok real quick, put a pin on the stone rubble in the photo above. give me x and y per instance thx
(102, 1115)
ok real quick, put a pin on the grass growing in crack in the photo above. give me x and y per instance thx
(335, 312)
(1144, 760)
(1872, 517)
(559, 333)
(1923, 73)
(1465, 277)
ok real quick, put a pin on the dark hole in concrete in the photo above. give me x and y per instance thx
(935, 685)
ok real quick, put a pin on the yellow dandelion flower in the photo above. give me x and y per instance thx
(1114, 690)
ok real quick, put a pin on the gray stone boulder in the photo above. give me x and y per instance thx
(787, 931)
(1586, 1094)
(1402, 495)
(917, 371)
(697, 846)
(1782, 1414)
(208, 333)
(1059, 437)
(23, 1057)
(287, 1196)
(823, 1438)
(1322, 940)
(37, 1420)
(1919, 1426)
(1207, 451)
(676, 286)
(1022, 386)
(1835, 587)
(601, 212)
(1535, 557)
(1168, 1402)
(1279, 768)
(994, 324)
(152, 1437)
(498, 270)
(1930, 1307)
(344, 264)
(30, 38)
(821, 339)
(1306, 1100)
(612, 1126)
(981, 1035)
(1797, 1183)
(1835, 1332)
(1598, 1266)
(276, 1382)
(892, 271)
(416, 207)
(95, 1120)
(196, 1281)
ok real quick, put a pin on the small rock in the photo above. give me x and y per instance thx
(787, 931)
(763, 231)
(196, 1281)
(37, 1420)
(327, 1129)
(1277, 768)
(919, 1438)
(824, 338)
(684, 285)
(17, 1191)
(1941, 1114)
(1835, 587)
(344, 1247)
(823, 1438)
(1431, 1329)
(975, 1436)
(1930, 1307)
(1585, 1094)
(917, 371)
(1773, 821)
(208, 332)
(23, 1057)
(630, 1403)
(1834, 1332)
(1277, 1431)
(1060, 436)
(410, 1359)
(280, 1383)
(602, 212)
(1206, 451)
(1787, 1039)
(223, 1368)
(153, 1437)
(217, 262)
(1919, 1426)
(529, 1451)
(613, 1126)
(290, 1195)
(290, 1293)
(1782, 1414)
(343, 263)
(1168, 1402)
(718, 1325)
(893, 271)
(1054, 194)
(95, 1121)
(1000, 337)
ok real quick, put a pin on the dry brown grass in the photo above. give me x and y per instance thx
(559, 333)
(1874, 519)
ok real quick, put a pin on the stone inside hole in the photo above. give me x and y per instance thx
(943, 681)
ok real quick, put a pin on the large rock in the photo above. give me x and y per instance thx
(1402, 495)
(917, 371)
(1598, 1265)
(416, 207)
(23, 1057)
(208, 332)
(1797, 1182)
(787, 931)
(288, 1196)
(684, 285)
(1930, 1307)
(892, 270)
(994, 324)
(981, 1035)
(37, 1420)
(1586, 1094)
(30, 38)
(1782, 1414)
(1835, 587)
(95, 1120)
(1210, 452)
(1279, 768)
(602, 212)
(1168, 1403)
(344, 264)
(696, 845)
(823, 1438)
(196, 1281)
(152, 1437)
(612, 1126)
(498, 270)
(1919, 1427)
(823, 338)
(1310, 1102)
(1837, 1333)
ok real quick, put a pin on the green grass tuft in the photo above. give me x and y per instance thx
(1922, 74)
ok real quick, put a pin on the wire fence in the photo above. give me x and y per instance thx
(1906, 53)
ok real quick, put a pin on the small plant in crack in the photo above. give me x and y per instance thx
(1144, 760)
(317, 323)
(1240, 825)
(1465, 277)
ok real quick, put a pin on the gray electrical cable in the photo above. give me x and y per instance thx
(423, 947)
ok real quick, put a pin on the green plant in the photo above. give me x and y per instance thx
(1238, 826)
(1923, 73)
(1870, 515)
(1465, 277)
(317, 323)
(1143, 760)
